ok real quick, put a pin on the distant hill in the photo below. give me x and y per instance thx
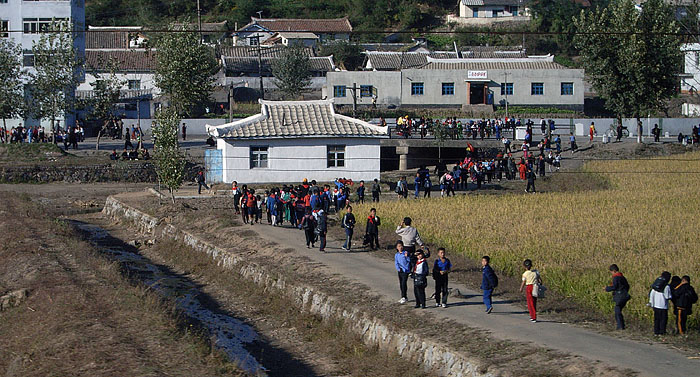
(365, 15)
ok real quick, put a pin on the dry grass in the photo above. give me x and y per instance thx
(646, 222)
(82, 317)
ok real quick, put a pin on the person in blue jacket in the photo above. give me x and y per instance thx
(489, 281)
(402, 262)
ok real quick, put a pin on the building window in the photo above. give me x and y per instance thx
(417, 89)
(506, 88)
(335, 156)
(37, 25)
(339, 91)
(514, 11)
(134, 84)
(254, 40)
(448, 88)
(567, 89)
(365, 90)
(28, 58)
(537, 89)
(3, 1)
(4, 26)
(475, 12)
(495, 13)
(258, 157)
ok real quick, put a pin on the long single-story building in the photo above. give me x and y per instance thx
(292, 140)
(463, 82)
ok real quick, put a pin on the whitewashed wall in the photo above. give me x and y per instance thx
(292, 160)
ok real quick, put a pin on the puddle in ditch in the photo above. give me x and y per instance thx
(230, 333)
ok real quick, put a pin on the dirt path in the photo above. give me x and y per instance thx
(507, 321)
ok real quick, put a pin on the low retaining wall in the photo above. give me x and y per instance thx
(433, 356)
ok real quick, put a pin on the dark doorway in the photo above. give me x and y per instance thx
(476, 94)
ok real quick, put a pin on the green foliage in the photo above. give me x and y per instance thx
(170, 163)
(106, 89)
(57, 74)
(291, 71)
(11, 91)
(635, 68)
(345, 54)
(185, 70)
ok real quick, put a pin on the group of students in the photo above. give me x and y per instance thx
(306, 207)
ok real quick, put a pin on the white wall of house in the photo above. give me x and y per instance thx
(291, 160)
(691, 67)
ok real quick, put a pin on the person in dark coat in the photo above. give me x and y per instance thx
(441, 268)
(620, 289)
(308, 223)
(372, 229)
(530, 175)
(684, 297)
(321, 229)
(488, 282)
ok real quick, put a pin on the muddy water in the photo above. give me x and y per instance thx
(230, 334)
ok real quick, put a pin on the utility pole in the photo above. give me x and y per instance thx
(199, 21)
(262, 89)
(354, 98)
(230, 104)
(505, 90)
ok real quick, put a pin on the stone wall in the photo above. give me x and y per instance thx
(114, 172)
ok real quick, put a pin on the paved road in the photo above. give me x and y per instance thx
(506, 322)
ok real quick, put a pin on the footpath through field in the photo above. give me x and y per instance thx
(506, 322)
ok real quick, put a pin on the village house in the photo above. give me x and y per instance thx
(478, 80)
(290, 30)
(125, 51)
(488, 12)
(292, 140)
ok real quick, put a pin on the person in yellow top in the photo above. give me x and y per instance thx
(592, 131)
(530, 277)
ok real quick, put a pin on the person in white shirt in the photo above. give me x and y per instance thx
(658, 300)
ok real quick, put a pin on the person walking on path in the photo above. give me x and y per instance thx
(184, 132)
(376, 190)
(489, 282)
(402, 263)
(620, 290)
(348, 222)
(659, 295)
(321, 229)
(417, 183)
(361, 192)
(308, 223)
(409, 235)
(372, 229)
(420, 279)
(531, 177)
(441, 269)
(201, 181)
(572, 141)
(530, 279)
(592, 131)
(684, 296)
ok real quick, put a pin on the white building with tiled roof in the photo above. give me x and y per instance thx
(126, 49)
(486, 12)
(261, 29)
(463, 83)
(292, 140)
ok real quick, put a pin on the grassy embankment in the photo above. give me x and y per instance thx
(82, 316)
(645, 222)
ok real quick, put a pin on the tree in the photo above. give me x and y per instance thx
(632, 57)
(106, 91)
(170, 163)
(185, 69)
(58, 68)
(11, 90)
(345, 54)
(291, 71)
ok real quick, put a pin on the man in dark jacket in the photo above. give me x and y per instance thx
(620, 289)
(489, 281)
(349, 225)
(684, 296)
(530, 175)
(372, 229)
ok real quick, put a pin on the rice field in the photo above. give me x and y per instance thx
(646, 222)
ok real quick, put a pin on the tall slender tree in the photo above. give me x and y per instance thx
(58, 69)
(11, 88)
(106, 93)
(291, 71)
(170, 163)
(632, 57)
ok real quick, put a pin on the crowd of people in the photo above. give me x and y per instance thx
(455, 129)
(38, 134)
